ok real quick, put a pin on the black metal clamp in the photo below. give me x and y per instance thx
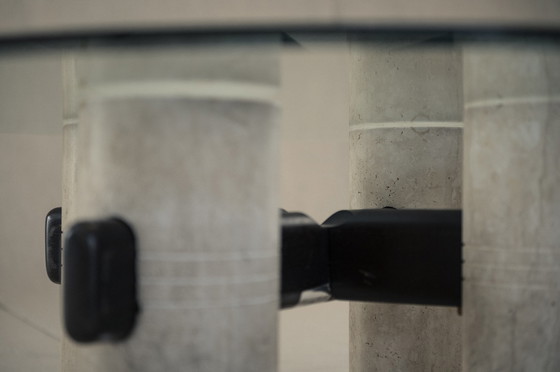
(305, 261)
(99, 291)
(99, 272)
(378, 255)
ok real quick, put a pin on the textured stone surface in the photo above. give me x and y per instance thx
(405, 152)
(195, 176)
(406, 168)
(394, 81)
(512, 207)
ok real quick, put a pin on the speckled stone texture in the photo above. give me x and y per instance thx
(405, 152)
(180, 140)
(511, 216)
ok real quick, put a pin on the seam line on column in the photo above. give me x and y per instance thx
(171, 257)
(513, 266)
(540, 249)
(512, 101)
(66, 122)
(169, 305)
(503, 284)
(196, 89)
(407, 124)
(201, 282)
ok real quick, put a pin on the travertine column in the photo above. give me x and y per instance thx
(69, 181)
(405, 152)
(178, 138)
(511, 216)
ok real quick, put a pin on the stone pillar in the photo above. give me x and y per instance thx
(179, 139)
(511, 218)
(405, 152)
(69, 181)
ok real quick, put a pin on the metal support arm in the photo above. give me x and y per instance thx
(377, 255)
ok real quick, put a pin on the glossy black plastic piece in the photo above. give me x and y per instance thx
(377, 255)
(398, 256)
(305, 263)
(99, 281)
(53, 237)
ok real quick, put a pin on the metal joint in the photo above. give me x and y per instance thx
(375, 255)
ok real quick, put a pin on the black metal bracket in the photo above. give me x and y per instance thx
(377, 255)
(305, 261)
(99, 287)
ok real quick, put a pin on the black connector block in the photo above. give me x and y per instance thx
(99, 281)
(305, 261)
(397, 256)
(376, 255)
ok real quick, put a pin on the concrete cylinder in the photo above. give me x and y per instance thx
(511, 219)
(178, 138)
(405, 152)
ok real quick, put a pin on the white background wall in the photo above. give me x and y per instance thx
(30, 173)
(314, 179)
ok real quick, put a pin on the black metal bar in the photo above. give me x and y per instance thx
(400, 256)
(378, 255)
(305, 265)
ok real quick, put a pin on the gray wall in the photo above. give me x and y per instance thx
(30, 173)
